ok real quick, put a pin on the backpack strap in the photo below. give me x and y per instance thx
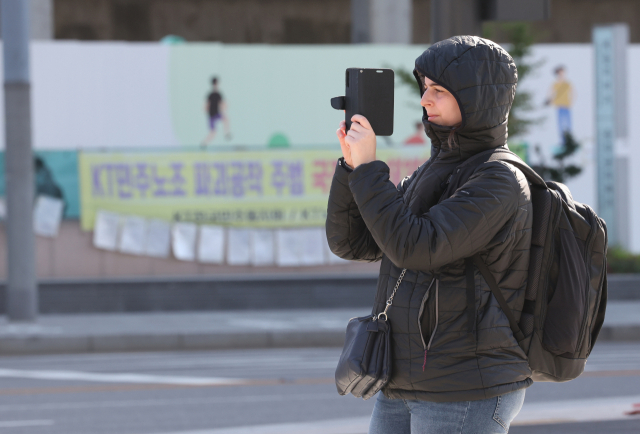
(466, 169)
(510, 157)
(503, 154)
(486, 273)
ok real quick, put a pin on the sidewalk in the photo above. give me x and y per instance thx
(169, 331)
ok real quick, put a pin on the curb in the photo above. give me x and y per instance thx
(34, 344)
(621, 333)
(52, 344)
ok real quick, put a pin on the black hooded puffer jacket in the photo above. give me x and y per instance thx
(435, 356)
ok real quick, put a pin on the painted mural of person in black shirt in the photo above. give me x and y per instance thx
(216, 109)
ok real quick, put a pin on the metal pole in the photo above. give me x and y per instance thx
(41, 19)
(610, 43)
(440, 20)
(360, 21)
(22, 291)
(455, 17)
(391, 21)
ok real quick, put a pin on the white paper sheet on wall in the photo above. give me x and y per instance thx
(211, 244)
(286, 248)
(262, 247)
(47, 215)
(158, 238)
(133, 235)
(238, 247)
(183, 240)
(309, 246)
(106, 228)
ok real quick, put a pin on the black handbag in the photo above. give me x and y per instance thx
(365, 363)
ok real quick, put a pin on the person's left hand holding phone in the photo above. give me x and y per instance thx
(359, 143)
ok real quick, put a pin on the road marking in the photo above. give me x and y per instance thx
(155, 386)
(172, 402)
(619, 373)
(119, 378)
(543, 413)
(21, 423)
(358, 425)
(161, 385)
(578, 410)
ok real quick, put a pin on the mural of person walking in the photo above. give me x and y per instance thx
(216, 108)
(561, 96)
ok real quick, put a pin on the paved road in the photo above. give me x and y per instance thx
(266, 391)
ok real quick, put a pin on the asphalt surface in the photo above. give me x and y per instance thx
(266, 391)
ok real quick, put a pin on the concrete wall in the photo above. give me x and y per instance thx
(247, 21)
(295, 21)
(71, 255)
(572, 20)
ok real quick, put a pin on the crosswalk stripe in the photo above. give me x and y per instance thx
(582, 410)
(338, 426)
(24, 423)
(555, 412)
(118, 378)
(578, 410)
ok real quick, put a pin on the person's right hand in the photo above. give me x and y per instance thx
(346, 151)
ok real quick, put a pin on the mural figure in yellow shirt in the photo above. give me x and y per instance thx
(561, 96)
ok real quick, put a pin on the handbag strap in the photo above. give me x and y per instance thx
(390, 301)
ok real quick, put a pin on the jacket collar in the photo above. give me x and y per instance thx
(467, 143)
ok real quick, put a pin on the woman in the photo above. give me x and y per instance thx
(455, 369)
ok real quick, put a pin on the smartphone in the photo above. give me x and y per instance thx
(369, 92)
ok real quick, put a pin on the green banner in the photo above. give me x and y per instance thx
(253, 189)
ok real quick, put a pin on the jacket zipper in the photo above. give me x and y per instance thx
(415, 182)
(425, 345)
(426, 294)
(424, 301)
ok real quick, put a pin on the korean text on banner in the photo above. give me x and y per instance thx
(268, 188)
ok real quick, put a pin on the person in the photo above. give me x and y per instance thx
(456, 366)
(561, 96)
(216, 108)
(418, 137)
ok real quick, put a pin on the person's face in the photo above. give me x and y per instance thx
(441, 106)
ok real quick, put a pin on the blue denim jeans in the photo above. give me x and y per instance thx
(564, 121)
(406, 416)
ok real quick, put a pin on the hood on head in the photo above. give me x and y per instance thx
(482, 77)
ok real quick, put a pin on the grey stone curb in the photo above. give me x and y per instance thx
(620, 333)
(49, 344)
(52, 344)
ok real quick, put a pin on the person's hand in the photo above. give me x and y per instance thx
(361, 141)
(342, 134)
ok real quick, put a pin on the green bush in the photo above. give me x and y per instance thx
(621, 261)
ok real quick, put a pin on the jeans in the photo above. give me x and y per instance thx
(564, 121)
(405, 416)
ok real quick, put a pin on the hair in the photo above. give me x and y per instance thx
(451, 140)
(558, 69)
(214, 80)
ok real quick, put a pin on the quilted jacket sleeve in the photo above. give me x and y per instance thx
(347, 233)
(456, 228)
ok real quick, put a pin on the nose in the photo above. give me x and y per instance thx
(426, 100)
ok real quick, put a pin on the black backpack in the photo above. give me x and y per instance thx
(566, 294)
